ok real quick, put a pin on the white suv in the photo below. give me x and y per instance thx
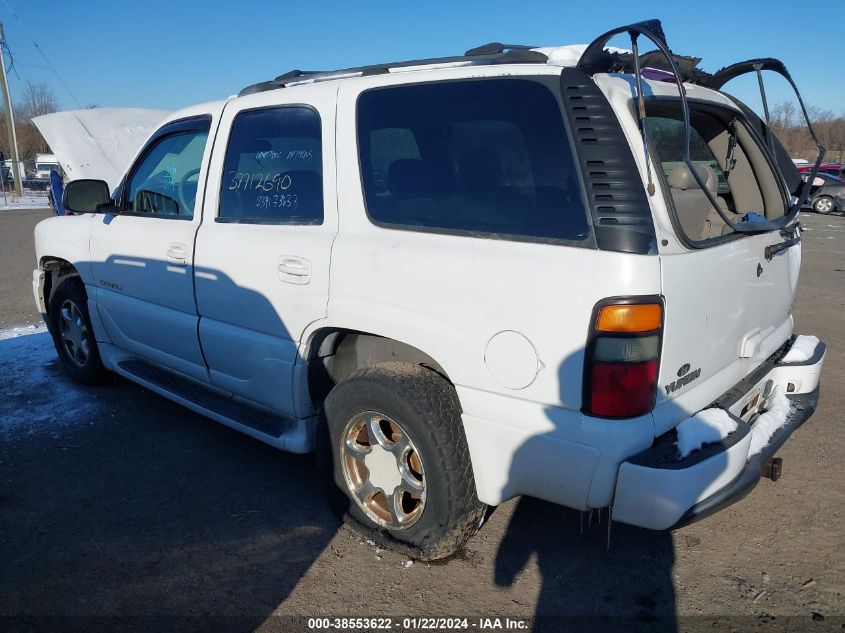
(461, 280)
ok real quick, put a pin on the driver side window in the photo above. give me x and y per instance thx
(164, 182)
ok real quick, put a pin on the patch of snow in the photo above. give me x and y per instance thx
(802, 349)
(24, 202)
(22, 330)
(777, 412)
(570, 54)
(35, 394)
(705, 427)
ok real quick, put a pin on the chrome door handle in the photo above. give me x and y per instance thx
(177, 254)
(294, 270)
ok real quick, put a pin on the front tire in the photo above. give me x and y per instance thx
(400, 456)
(824, 205)
(73, 336)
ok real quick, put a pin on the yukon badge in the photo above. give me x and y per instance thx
(685, 377)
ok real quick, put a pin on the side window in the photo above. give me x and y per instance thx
(483, 157)
(164, 183)
(273, 171)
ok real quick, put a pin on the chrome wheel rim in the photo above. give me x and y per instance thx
(824, 205)
(383, 470)
(74, 333)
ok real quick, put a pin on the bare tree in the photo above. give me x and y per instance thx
(37, 99)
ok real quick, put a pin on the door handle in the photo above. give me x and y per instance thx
(294, 270)
(177, 254)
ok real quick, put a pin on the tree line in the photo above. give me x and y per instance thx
(35, 100)
(789, 127)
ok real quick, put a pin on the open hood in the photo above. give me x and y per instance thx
(99, 142)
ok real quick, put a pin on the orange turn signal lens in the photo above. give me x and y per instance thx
(642, 317)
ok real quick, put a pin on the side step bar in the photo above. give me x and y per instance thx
(286, 433)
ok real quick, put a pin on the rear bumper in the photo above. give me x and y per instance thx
(656, 490)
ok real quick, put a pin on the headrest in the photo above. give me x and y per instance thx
(408, 178)
(682, 178)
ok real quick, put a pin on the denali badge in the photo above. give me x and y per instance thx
(111, 285)
(686, 377)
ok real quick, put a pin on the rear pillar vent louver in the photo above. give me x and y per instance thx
(615, 191)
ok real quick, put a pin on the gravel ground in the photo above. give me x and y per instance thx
(115, 503)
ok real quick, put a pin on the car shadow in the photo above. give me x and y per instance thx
(138, 511)
(120, 509)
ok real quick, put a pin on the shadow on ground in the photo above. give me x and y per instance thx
(142, 508)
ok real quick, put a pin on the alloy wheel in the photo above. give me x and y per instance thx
(74, 333)
(383, 470)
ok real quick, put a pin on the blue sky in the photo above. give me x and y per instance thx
(173, 54)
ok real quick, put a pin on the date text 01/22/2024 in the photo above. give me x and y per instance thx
(419, 624)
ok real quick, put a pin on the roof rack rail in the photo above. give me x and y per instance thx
(493, 53)
(496, 47)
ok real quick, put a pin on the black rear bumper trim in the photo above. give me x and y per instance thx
(804, 405)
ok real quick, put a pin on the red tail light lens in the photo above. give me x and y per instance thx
(622, 360)
(623, 390)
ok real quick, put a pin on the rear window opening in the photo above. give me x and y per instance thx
(727, 156)
(487, 158)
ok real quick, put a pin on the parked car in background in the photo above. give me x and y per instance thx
(828, 197)
(832, 169)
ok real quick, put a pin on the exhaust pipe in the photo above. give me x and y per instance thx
(772, 468)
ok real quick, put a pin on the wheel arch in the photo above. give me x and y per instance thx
(335, 353)
(56, 269)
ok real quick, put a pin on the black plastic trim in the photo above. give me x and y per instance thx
(490, 53)
(616, 196)
(663, 454)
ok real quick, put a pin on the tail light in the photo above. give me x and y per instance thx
(623, 357)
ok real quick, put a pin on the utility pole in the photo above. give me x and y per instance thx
(10, 119)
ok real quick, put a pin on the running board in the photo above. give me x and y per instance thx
(282, 432)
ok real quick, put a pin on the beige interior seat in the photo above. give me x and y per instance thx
(697, 216)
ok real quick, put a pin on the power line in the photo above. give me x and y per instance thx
(43, 54)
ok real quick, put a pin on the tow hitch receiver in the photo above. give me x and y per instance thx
(772, 468)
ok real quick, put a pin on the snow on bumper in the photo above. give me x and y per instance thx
(657, 489)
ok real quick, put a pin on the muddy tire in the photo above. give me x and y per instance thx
(73, 336)
(397, 450)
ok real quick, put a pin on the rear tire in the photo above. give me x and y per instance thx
(397, 427)
(73, 336)
(824, 205)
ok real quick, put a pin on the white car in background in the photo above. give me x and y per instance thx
(461, 280)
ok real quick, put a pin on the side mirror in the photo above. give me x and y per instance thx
(85, 196)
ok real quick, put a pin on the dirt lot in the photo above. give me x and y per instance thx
(115, 502)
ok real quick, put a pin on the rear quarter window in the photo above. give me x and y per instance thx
(483, 157)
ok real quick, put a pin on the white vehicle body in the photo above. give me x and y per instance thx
(246, 310)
